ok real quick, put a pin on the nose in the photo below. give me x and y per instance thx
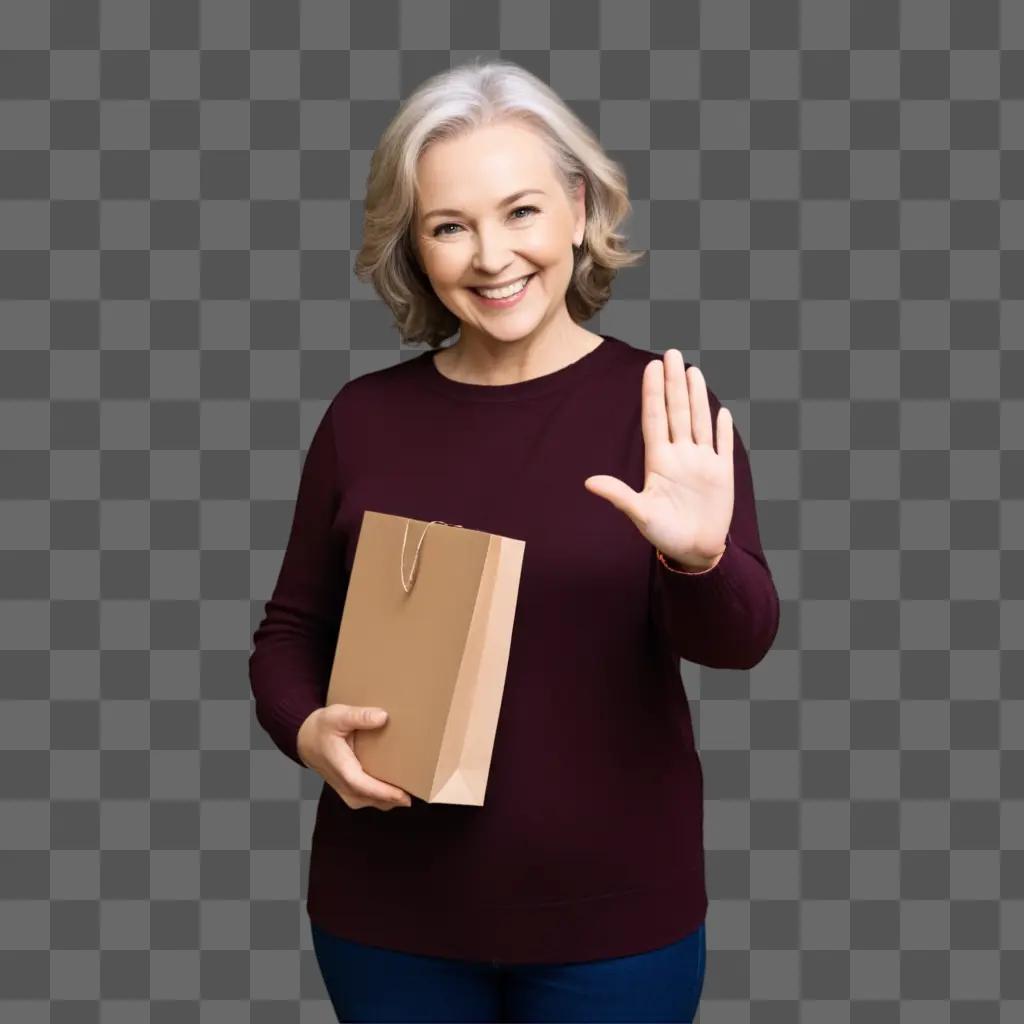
(492, 254)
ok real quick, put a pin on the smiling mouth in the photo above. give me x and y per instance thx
(523, 281)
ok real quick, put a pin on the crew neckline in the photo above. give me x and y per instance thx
(545, 384)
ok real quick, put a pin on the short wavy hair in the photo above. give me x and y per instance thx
(455, 102)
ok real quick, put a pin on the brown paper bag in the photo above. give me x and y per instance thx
(425, 634)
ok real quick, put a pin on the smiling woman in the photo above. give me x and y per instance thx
(444, 221)
(577, 890)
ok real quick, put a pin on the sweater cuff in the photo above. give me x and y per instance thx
(713, 580)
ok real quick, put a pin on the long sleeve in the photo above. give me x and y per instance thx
(728, 616)
(293, 647)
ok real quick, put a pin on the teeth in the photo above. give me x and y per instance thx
(504, 293)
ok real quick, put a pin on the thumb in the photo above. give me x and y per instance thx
(370, 718)
(620, 494)
(348, 716)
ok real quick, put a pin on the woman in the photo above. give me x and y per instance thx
(577, 891)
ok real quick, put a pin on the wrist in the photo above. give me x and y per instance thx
(688, 566)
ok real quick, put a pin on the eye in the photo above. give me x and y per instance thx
(440, 232)
(518, 208)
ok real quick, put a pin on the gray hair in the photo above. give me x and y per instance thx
(448, 105)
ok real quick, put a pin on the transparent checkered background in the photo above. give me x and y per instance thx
(832, 193)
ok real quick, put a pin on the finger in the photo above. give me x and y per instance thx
(653, 421)
(620, 494)
(677, 398)
(374, 789)
(724, 431)
(358, 803)
(377, 805)
(363, 785)
(700, 407)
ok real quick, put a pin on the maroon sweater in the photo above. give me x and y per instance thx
(590, 841)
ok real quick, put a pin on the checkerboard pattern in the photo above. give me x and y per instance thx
(832, 195)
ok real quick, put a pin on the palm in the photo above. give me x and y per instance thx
(686, 505)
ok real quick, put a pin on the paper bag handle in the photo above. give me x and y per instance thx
(412, 571)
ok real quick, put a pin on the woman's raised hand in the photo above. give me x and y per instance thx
(686, 505)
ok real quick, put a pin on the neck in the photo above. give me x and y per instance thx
(480, 360)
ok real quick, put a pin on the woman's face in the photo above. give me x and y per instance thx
(481, 240)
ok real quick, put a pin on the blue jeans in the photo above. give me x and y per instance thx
(367, 983)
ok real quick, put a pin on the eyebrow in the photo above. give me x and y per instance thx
(509, 199)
